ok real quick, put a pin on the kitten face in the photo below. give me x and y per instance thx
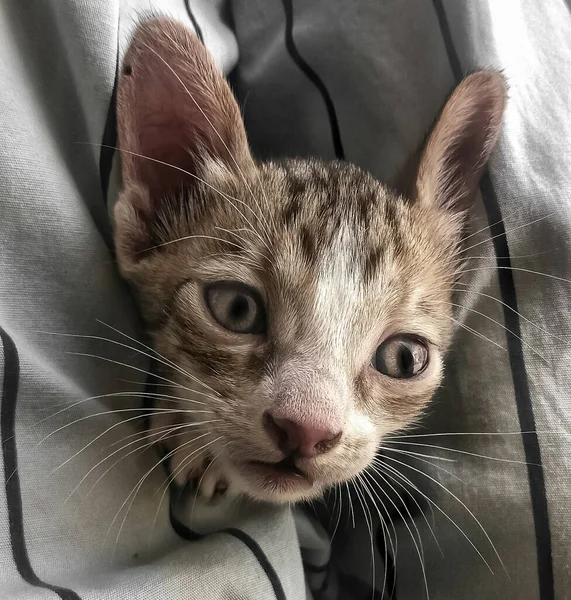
(302, 306)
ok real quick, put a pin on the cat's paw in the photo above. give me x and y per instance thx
(210, 483)
(207, 480)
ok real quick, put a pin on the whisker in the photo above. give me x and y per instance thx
(142, 434)
(417, 504)
(202, 477)
(491, 433)
(511, 309)
(386, 533)
(458, 500)
(369, 523)
(503, 233)
(418, 547)
(168, 481)
(417, 456)
(350, 504)
(133, 500)
(119, 423)
(155, 385)
(476, 333)
(125, 394)
(252, 231)
(398, 474)
(161, 357)
(161, 162)
(496, 458)
(128, 366)
(519, 270)
(477, 312)
(140, 483)
(383, 529)
(159, 436)
(199, 236)
(338, 491)
(511, 257)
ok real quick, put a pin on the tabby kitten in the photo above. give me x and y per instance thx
(301, 308)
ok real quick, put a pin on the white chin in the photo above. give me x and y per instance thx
(265, 484)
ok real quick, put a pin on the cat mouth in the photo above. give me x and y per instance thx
(282, 474)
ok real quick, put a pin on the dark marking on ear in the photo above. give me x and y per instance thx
(127, 70)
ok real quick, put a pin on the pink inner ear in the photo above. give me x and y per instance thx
(174, 107)
(170, 143)
(167, 144)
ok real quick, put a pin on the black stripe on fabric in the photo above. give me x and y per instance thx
(194, 22)
(262, 559)
(182, 530)
(314, 78)
(453, 58)
(8, 399)
(524, 404)
(526, 416)
(188, 534)
(108, 143)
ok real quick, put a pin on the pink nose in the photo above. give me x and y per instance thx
(292, 437)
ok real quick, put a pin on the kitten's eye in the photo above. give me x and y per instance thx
(401, 357)
(236, 307)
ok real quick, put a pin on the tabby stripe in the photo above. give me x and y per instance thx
(524, 404)
(8, 400)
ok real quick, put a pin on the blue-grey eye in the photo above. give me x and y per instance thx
(401, 357)
(236, 307)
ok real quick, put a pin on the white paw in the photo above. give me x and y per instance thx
(203, 475)
(211, 484)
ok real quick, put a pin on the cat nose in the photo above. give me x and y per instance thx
(292, 437)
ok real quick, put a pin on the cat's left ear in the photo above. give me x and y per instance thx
(461, 142)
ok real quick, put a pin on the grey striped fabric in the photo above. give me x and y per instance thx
(357, 80)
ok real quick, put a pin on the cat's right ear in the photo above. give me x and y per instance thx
(175, 114)
(461, 142)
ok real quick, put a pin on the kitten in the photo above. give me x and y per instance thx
(301, 307)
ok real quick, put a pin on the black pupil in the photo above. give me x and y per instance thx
(239, 307)
(406, 358)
